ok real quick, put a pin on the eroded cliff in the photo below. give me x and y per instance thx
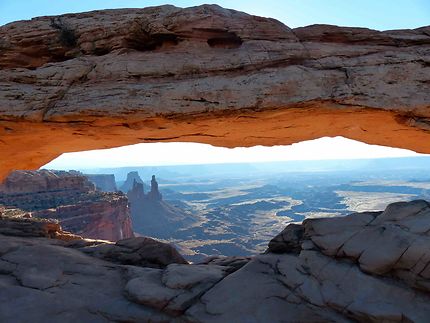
(70, 198)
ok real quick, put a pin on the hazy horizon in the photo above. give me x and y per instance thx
(169, 154)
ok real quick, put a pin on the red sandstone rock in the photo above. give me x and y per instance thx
(107, 218)
(205, 74)
(44, 181)
(21, 224)
(72, 200)
(139, 251)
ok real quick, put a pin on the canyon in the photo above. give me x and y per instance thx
(212, 75)
(70, 198)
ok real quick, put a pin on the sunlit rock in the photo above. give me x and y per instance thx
(70, 198)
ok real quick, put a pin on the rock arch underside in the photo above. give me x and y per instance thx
(207, 74)
(204, 74)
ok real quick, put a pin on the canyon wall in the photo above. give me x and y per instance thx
(103, 182)
(204, 74)
(23, 182)
(70, 198)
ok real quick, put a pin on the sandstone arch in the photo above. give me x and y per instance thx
(205, 74)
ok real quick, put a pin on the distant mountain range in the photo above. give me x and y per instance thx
(250, 169)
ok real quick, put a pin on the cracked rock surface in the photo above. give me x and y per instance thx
(205, 74)
(365, 267)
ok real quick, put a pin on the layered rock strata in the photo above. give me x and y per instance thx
(15, 222)
(71, 199)
(204, 74)
(365, 267)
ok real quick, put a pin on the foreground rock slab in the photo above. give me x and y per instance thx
(365, 267)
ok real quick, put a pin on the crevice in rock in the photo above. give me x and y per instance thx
(144, 41)
(67, 35)
(225, 40)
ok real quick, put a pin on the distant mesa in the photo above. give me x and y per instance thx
(131, 178)
(151, 215)
(72, 199)
(103, 182)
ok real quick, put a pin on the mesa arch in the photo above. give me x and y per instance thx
(204, 74)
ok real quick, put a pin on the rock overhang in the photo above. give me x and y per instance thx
(205, 74)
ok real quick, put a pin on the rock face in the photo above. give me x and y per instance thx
(140, 251)
(35, 272)
(365, 267)
(204, 74)
(154, 194)
(18, 223)
(151, 215)
(70, 198)
(392, 243)
(103, 182)
(23, 182)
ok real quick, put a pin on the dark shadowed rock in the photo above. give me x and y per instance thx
(176, 288)
(140, 251)
(131, 178)
(15, 222)
(151, 215)
(232, 263)
(103, 182)
(288, 241)
(154, 193)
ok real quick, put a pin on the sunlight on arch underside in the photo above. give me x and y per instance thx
(174, 153)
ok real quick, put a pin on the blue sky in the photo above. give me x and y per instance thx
(375, 14)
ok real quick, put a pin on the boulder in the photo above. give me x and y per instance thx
(140, 251)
